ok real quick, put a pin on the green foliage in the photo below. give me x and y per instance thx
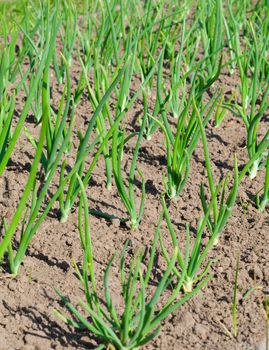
(167, 58)
(142, 315)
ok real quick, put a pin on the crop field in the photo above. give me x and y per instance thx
(134, 175)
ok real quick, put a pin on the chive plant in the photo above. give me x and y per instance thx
(142, 313)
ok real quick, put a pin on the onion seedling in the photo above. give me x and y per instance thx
(221, 110)
(142, 313)
(262, 201)
(253, 88)
(37, 216)
(94, 96)
(10, 62)
(32, 218)
(234, 307)
(71, 193)
(50, 33)
(177, 102)
(73, 188)
(148, 43)
(211, 19)
(56, 133)
(6, 243)
(150, 124)
(7, 103)
(264, 145)
(33, 45)
(68, 36)
(86, 63)
(127, 196)
(32, 222)
(189, 265)
(101, 81)
(179, 147)
(221, 209)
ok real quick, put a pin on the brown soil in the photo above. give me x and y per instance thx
(27, 320)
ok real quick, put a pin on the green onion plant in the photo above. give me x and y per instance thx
(29, 213)
(68, 35)
(50, 36)
(180, 147)
(189, 264)
(67, 201)
(128, 194)
(221, 206)
(254, 80)
(234, 306)
(56, 133)
(211, 21)
(142, 315)
(262, 201)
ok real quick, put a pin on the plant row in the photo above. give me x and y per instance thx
(178, 55)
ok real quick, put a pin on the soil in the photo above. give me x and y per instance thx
(27, 303)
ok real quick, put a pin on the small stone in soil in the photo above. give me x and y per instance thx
(262, 344)
(187, 320)
(201, 331)
(69, 242)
